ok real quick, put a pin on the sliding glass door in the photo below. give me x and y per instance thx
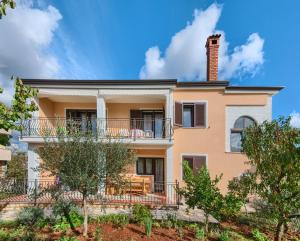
(153, 123)
(83, 120)
(152, 166)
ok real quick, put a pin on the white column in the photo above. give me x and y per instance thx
(101, 125)
(101, 115)
(170, 165)
(170, 182)
(169, 110)
(33, 163)
(101, 110)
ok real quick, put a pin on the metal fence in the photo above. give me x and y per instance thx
(127, 193)
(102, 128)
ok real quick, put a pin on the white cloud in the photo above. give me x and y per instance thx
(185, 57)
(26, 35)
(295, 119)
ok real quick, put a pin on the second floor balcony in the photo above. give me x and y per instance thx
(131, 128)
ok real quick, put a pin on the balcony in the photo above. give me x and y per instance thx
(135, 129)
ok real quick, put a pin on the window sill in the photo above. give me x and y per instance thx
(198, 127)
(234, 152)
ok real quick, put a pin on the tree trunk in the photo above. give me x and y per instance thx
(246, 210)
(206, 230)
(85, 215)
(279, 231)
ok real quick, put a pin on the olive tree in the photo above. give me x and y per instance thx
(273, 149)
(17, 167)
(83, 163)
(20, 109)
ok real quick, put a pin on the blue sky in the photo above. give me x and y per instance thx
(108, 39)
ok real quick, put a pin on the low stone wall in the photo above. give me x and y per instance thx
(10, 212)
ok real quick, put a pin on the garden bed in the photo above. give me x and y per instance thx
(135, 232)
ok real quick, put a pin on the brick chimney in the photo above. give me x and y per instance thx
(212, 51)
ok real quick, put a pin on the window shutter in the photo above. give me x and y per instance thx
(198, 162)
(200, 115)
(178, 113)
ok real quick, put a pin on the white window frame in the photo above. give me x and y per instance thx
(205, 102)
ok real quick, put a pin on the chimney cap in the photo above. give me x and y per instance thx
(212, 37)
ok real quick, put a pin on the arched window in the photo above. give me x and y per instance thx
(237, 132)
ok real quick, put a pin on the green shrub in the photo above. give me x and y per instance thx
(118, 220)
(64, 223)
(140, 212)
(61, 226)
(225, 236)
(148, 225)
(30, 216)
(258, 236)
(170, 221)
(156, 224)
(231, 207)
(4, 235)
(199, 233)
(98, 234)
(68, 239)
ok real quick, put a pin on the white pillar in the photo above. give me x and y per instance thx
(170, 165)
(170, 184)
(33, 163)
(169, 111)
(101, 110)
(101, 115)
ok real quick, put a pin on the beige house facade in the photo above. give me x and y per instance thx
(166, 121)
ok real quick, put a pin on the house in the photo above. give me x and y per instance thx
(165, 120)
(5, 155)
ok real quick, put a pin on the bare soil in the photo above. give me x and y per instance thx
(134, 232)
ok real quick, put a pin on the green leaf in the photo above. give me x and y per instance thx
(3, 10)
(12, 4)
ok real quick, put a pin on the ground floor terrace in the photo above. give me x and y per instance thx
(149, 180)
(127, 193)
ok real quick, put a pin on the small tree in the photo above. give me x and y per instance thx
(202, 192)
(20, 109)
(274, 153)
(16, 167)
(241, 187)
(83, 163)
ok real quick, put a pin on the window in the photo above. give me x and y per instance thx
(190, 114)
(236, 134)
(195, 162)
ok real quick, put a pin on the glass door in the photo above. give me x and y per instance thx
(82, 120)
(159, 175)
(148, 128)
(158, 125)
